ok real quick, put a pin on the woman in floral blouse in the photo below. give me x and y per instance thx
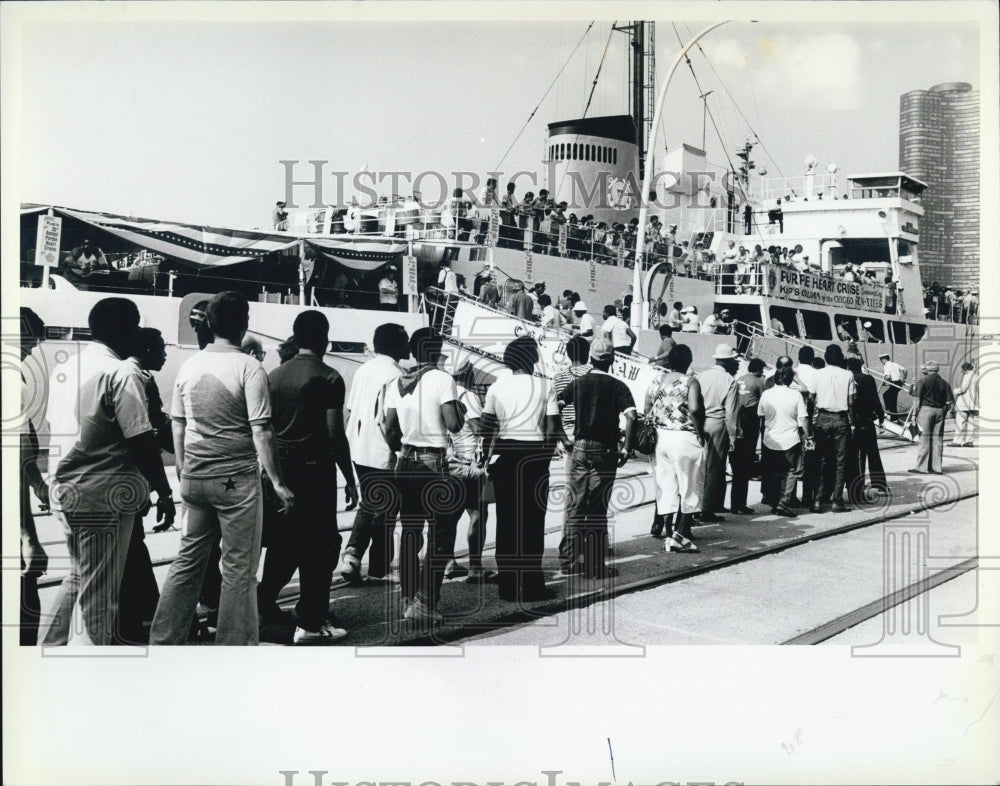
(674, 402)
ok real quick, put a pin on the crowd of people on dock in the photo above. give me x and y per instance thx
(257, 455)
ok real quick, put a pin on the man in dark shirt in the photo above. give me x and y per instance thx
(744, 452)
(521, 305)
(932, 399)
(598, 399)
(307, 401)
(865, 410)
(666, 344)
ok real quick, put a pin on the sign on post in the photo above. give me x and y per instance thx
(528, 263)
(47, 240)
(409, 275)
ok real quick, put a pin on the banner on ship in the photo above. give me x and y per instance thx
(823, 290)
(486, 333)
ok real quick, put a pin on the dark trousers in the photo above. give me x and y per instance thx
(139, 593)
(854, 481)
(889, 398)
(832, 433)
(592, 471)
(521, 478)
(809, 470)
(31, 610)
(780, 470)
(428, 494)
(31, 606)
(716, 453)
(375, 520)
(306, 539)
(866, 441)
(211, 587)
(743, 456)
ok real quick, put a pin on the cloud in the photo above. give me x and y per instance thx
(819, 72)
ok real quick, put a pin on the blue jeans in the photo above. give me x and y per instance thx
(832, 433)
(592, 471)
(427, 494)
(233, 508)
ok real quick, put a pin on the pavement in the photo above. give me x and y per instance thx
(372, 611)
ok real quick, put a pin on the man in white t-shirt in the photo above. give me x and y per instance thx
(422, 410)
(785, 421)
(373, 461)
(447, 279)
(894, 377)
(617, 331)
(585, 323)
(222, 428)
(388, 290)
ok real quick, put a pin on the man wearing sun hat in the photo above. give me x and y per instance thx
(584, 322)
(721, 395)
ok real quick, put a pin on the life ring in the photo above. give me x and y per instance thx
(352, 218)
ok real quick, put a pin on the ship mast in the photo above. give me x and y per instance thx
(642, 81)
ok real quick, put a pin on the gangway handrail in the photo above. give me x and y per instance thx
(756, 328)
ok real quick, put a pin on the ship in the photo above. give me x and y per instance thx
(333, 258)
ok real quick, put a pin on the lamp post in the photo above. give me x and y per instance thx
(640, 305)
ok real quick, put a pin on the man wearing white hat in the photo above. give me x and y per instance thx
(584, 322)
(893, 377)
(690, 316)
(867, 335)
(388, 290)
(721, 395)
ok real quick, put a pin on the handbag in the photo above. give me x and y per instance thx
(645, 436)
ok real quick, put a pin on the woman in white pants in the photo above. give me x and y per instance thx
(966, 407)
(675, 403)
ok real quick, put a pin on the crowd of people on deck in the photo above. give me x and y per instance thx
(950, 304)
(257, 456)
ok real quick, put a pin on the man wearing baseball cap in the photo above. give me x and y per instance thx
(594, 461)
(932, 398)
(722, 397)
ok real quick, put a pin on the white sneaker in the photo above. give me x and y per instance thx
(350, 569)
(327, 634)
(420, 611)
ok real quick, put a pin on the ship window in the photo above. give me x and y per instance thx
(604, 155)
(562, 151)
(590, 151)
(916, 332)
(897, 332)
(817, 325)
(876, 332)
(574, 151)
(614, 155)
(786, 316)
(847, 327)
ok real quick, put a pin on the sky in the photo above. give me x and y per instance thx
(190, 121)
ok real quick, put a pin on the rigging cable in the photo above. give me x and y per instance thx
(600, 65)
(542, 99)
(756, 137)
